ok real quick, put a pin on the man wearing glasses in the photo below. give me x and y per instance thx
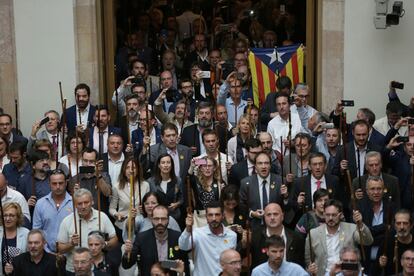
(349, 264)
(305, 111)
(328, 239)
(231, 263)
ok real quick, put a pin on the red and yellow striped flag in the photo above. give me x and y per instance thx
(266, 62)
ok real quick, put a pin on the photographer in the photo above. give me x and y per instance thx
(349, 264)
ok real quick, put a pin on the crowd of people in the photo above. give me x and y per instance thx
(192, 178)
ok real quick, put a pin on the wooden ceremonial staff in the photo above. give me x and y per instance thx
(190, 211)
(131, 191)
(349, 182)
(139, 186)
(290, 141)
(302, 180)
(387, 231)
(311, 253)
(116, 101)
(59, 273)
(148, 132)
(359, 168)
(281, 158)
(396, 255)
(16, 106)
(248, 229)
(62, 128)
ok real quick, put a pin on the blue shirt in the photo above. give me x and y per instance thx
(286, 269)
(41, 187)
(229, 104)
(13, 175)
(48, 218)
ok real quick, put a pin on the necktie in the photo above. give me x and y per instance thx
(264, 194)
(318, 184)
(253, 170)
(101, 142)
(55, 145)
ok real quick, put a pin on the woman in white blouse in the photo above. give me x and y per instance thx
(119, 206)
(235, 146)
(70, 158)
(4, 148)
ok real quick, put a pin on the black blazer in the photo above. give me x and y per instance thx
(332, 185)
(295, 247)
(240, 170)
(71, 117)
(190, 137)
(145, 246)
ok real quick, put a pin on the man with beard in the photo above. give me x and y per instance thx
(403, 226)
(18, 166)
(87, 220)
(155, 245)
(276, 264)
(231, 263)
(328, 239)
(234, 104)
(191, 136)
(51, 209)
(267, 145)
(35, 186)
(211, 144)
(139, 75)
(140, 137)
(98, 135)
(200, 53)
(208, 241)
(82, 112)
(181, 110)
(129, 122)
(36, 261)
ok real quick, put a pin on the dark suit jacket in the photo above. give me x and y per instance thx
(250, 195)
(17, 138)
(191, 138)
(138, 137)
(240, 170)
(332, 185)
(145, 246)
(352, 165)
(391, 185)
(111, 130)
(71, 117)
(295, 247)
(176, 95)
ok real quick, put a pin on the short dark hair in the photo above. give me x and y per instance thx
(83, 86)
(72, 135)
(182, 81)
(333, 202)
(303, 135)
(170, 126)
(139, 84)
(262, 153)
(131, 65)
(37, 155)
(214, 204)
(316, 155)
(81, 250)
(252, 143)
(8, 116)
(229, 192)
(283, 82)
(359, 123)
(404, 212)
(275, 241)
(208, 132)
(202, 105)
(17, 146)
(130, 97)
(394, 107)
(318, 194)
(90, 150)
(101, 107)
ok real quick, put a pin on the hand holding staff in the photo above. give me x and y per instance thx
(190, 212)
(131, 191)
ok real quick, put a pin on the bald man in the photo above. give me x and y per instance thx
(273, 218)
(230, 262)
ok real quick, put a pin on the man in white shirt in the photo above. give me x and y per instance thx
(113, 161)
(278, 127)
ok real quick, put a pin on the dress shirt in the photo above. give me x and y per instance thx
(260, 181)
(305, 113)
(208, 248)
(278, 127)
(176, 158)
(229, 104)
(14, 196)
(132, 127)
(114, 167)
(47, 216)
(305, 170)
(362, 153)
(96, 139)
(285, 269)
(72, 168)
(3, 162)
(84, 116)
(58, 141)
(200, 138)
(251, 167)
(332, 249)
(162, 248)
(314, 185)
(377, 220)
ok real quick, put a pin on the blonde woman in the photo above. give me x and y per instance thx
(235, 146)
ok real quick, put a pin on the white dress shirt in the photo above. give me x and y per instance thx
(313, 185)
(362, 153)
(104, 138)
(114, 168)
(84, 116)
(278, 127)
(332, 249)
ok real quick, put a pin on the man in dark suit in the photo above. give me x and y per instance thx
(295, 244)
(305, 187)
(200, 53)
(373, 166)
(7, 131)
(191, 135)
(257, 191)
(154, 245)
(357, 148)
(82, 108)
(245, 168)
(129, 122)
(140, 133)
(179, 153)
(166, 85)
(98, 135)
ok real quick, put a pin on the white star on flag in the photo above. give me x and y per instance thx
(273, 55)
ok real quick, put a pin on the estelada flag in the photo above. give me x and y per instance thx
(267, 63)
